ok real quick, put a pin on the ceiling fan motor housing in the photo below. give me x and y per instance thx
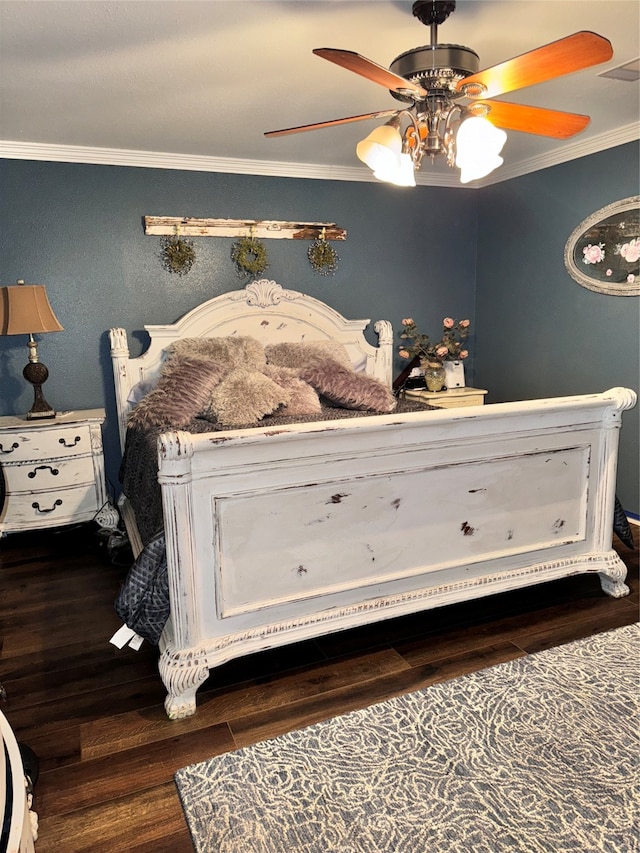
(438, 68)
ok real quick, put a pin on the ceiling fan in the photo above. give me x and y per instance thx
(449, 105)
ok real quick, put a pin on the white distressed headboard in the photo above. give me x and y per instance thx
(263, 310)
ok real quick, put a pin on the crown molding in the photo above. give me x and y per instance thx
(566, 152)
(183, 162)
(12, 150)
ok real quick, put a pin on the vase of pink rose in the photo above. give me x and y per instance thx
(432, 355)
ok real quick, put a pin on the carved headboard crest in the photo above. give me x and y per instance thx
(264, 293)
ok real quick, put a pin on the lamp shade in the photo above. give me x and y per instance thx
(475, 171)
(381, 149)
(478, 144)
(25, 310)
(402, 173)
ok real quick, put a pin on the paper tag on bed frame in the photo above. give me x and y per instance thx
(135, 642)
(125, 635)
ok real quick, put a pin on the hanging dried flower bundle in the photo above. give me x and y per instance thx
(177, 254)
(250, 256)
(323, 257)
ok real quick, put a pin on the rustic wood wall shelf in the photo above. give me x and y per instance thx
(187, 226)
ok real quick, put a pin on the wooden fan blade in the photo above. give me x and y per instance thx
(573, 53)
(304, 127)
(371, 70)
(536, 120)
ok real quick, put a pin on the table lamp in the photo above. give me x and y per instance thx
(25, 310)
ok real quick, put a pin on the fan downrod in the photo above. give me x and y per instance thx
(438, 68)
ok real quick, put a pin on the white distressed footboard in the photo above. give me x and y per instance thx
(277, 535)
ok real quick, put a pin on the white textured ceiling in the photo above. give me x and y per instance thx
(196, 83)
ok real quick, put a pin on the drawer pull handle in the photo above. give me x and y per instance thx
(13, 447)
(36, 506)
(33, 473)
(66, 444)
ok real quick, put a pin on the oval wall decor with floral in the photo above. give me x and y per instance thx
(603, 252)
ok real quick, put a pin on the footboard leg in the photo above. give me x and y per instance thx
(614, 587)
(612, 581)
(182, 674)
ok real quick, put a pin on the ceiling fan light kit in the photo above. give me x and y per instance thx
(435, 81)
(381, 149)
(478, 146)
(401, 174)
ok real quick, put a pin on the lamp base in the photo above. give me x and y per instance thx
(36, 373)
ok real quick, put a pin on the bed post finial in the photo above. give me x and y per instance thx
(384, 368)
(120, 360)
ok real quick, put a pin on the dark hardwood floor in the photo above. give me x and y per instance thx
(95, 718)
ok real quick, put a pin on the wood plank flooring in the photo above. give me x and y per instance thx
(94, 714)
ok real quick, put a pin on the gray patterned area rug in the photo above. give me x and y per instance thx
(538, 754)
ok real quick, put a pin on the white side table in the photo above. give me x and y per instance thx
(451, 399)
(53, 472)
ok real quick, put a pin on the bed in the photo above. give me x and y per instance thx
(276, 533)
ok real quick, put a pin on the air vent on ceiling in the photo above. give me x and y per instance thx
(630, 72)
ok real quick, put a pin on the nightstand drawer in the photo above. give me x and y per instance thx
(457, 402)
(451, 399)
(52, 474)
(52, 508)
(45, 443)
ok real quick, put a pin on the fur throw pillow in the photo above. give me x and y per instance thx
(347, 388)
(233, 350)
(245, 396)
(303, 399)
(179, 394)
(305, 353)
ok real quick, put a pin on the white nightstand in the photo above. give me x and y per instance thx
(53, 472)
(450, 399)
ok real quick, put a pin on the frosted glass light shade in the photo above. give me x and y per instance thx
(402, 175)
(478, 144)
(475, 171)
(381, 148)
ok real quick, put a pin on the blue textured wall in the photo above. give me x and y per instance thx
(539, 333)
(78, 229)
